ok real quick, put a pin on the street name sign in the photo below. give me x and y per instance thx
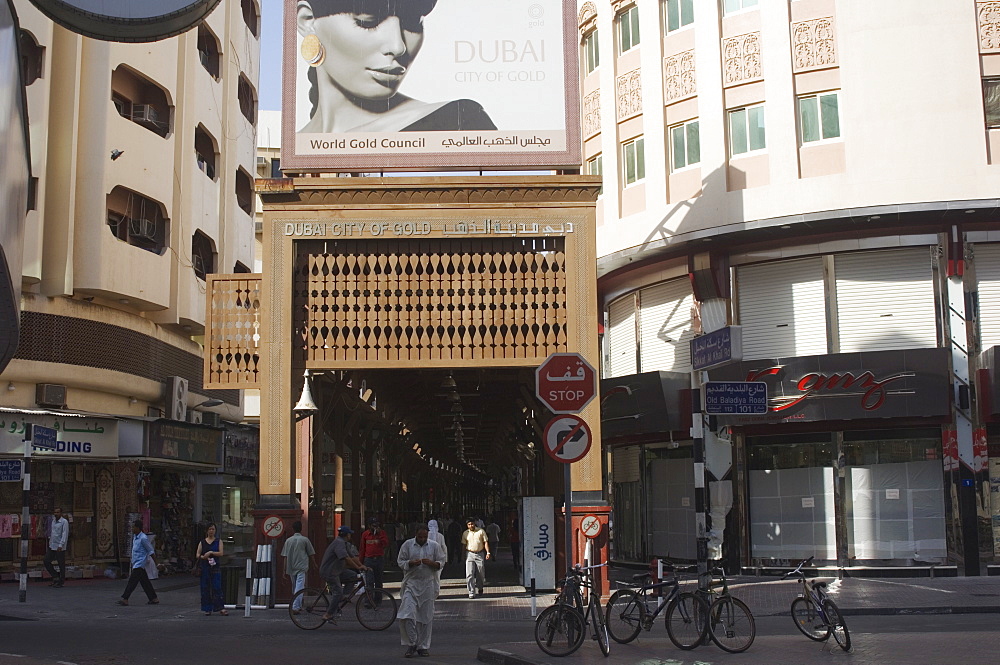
(717, 348)
(731, 398)
(10, 471)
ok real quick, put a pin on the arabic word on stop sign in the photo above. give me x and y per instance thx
(567, 439)
(565, 382)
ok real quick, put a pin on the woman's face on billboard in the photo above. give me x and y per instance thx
(368, 54)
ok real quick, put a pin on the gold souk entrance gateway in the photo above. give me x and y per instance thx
(395, 287)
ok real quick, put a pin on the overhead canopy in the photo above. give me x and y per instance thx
(656, 407)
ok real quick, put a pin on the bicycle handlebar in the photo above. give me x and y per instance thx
(798, 568)
(578, 569)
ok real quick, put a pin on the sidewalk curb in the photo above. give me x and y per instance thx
(493, 656)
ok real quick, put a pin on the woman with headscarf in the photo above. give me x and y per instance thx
(359, 52)
(433, 533)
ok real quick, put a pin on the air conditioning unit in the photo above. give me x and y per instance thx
(142, 228)
(258, 227)
(177, 393)
(145, 114)
(198, 263)
(211, 419)
(50, 394)
(194, 417)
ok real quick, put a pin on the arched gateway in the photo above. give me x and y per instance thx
(403, 274)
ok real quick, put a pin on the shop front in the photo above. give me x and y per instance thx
(227, 499)
(77, 475)
(170, 457)
(848, 465)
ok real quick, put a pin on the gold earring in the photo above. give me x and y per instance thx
(312, 50)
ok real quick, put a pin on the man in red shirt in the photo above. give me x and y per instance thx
(371, 550)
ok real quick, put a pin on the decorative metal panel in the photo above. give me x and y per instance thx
(232, 331)
(429, 300)
(813, 44)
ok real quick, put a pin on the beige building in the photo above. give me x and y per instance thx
(144, 156)
(822, 174)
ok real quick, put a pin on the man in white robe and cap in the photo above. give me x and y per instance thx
(420, 559)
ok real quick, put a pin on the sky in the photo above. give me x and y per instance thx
(269, 87)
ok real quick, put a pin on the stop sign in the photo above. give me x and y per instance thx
(565, 383)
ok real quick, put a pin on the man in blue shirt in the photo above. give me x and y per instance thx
(142, 549)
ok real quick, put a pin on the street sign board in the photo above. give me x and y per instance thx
(565, 383)
(590, 525)
(717, 348)
(567, 439)
(43, 438)
(10, 471)
(732, 398)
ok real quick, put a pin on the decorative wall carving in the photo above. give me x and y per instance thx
(587, 17)
(741, 58)
(678, 76)
(592, 114)
(988, 15)
(628, 94)
(813, 44)
(618, 6)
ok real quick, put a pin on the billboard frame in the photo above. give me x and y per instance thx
(368, 162)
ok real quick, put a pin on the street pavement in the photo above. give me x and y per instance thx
(904, 620)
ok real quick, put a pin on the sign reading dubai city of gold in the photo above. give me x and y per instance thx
(377, 229)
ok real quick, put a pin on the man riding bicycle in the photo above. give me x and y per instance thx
(336, 560)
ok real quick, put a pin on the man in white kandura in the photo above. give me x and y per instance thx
(420, 560)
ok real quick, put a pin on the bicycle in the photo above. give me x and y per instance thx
(731, 624)
(628, 610)
(375, 608)
(814, 612)
(561, 628)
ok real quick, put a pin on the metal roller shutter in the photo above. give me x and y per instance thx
(885, 300)
(987, 258)
(621, 337)
(665, 326)
(782, 309)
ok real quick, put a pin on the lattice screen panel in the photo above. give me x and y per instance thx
(233, 331)
(429, 299)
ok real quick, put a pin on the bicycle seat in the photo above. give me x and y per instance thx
(819, 585)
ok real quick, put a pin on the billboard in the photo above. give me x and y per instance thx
(379, 85)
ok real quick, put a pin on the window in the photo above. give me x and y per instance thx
(628, 28)
(247, 99)
(685, 145)
(991, 98)
(746, 130)
(140, 100)
(250, 16)
(595, 166)
(679, 14)
(819, 117)
(591, 55)
(137, 220)
(244, 191)
(208, 51)
(204, 151)
(32, 56)
(634, 158)
(736, 5)
(202, 256)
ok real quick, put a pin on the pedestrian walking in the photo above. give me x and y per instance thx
(434, 533)
(58, 538)
(421, 559)
(477, 551)
(374, 541)
(299, 558)
(453, 538)
(493, 531)
(142, 550)
(209, 552)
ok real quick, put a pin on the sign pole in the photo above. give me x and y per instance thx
(700, 495)
(22, 594)
(568, 489)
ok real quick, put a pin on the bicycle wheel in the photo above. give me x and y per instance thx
(838, 627)
(687, 620)
(808, 620)
(624, 616)
(376, 609)
(731, 625)
(559, 630)
(600, 627)
(315, 603)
